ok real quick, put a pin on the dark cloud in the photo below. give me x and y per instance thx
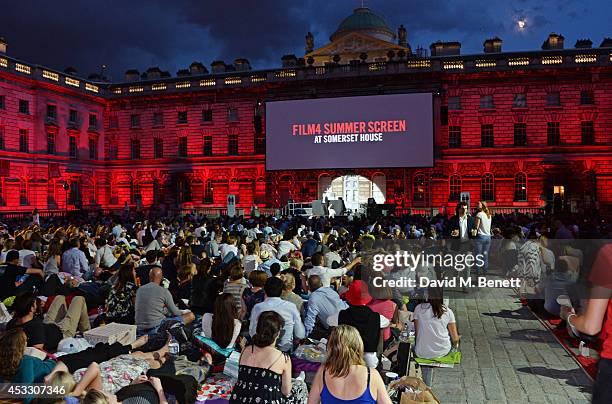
(171, 34)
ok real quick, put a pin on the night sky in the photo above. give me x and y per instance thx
(171, 34)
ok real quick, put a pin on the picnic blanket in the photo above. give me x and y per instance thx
(453, 358)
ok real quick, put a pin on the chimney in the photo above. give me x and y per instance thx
(242, 64)
(606, 43)
(3, 45)
(218, 66)
(183, 73)
(132, 75)
(289, 61)
(583, 43)
(554, 41)
(445, 48)
(493, 45)
(153, 73)
(309, 42)
(197, 68)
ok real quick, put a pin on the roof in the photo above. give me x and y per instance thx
(363, 19)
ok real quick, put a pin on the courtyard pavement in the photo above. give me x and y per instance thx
(508, 356)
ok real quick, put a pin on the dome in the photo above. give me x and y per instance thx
(364, 20)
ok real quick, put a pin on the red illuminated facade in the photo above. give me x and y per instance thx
(517, 129)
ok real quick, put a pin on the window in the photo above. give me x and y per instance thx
(158, 148)
(487, 187)
(112, 150)
(454, 137)
(52, 112)
(93, 148)
(260, 143)
(113, 122)
(553, 134)
(207, 147)
(135, 149)
(553, 99)
(182, 146)
(520, 101)
(520, 187)
(443, 115)
(232, 114)
(207, 115)
(587, 129)
(135, 121)
(258, 124)
(486, 135)
(93, 121)
(181, 117)
(51, 143)
(24, 107)
(2, 138)
(520, 134)
(73, 150)
(23, 140)
(2, 102)
(135, 195)
(587, 97)
(454, 103)
(420, 190)
(208, 192)
(232, 145)
(73, 116)
(23, 193)
(486, 102)
(158, 119)
(455, 188)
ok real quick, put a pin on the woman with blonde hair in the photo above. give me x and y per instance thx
(288, 294)
(482, 225)
(344, 377)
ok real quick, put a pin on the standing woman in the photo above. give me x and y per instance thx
(344, 377)
(482, 224)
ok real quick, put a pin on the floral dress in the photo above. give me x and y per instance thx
(121, 302)
(118, 372)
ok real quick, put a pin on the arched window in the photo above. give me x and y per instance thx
(455, 188)
(520, 187)
(420, 188)
(487, 187)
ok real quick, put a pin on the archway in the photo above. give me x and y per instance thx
(355, 190)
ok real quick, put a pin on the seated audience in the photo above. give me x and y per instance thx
(236, 284)
(253, 295)
(326, 274)
(13, 274)
(120, 303)
(289, 295)
(323, 303)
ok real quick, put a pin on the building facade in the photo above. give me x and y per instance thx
(520, 130)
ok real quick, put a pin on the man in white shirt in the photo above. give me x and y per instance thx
(201, 231)
(293, 328)
(326, 274)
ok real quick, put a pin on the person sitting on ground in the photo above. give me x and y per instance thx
(345, 377)
(253, 295)
(223, 327)
(289, 295)
(293, 326)
(295, 269)
(264, 372)
(120, 303)
(181, 293)
(152, 301)
(74, 260)
(435, 330)
(142, 272)
(13, 271)
(60, 321)
(236, 283)
(368, 322)
(326, 274)
(104, 257)
(323, 303)
(251, 259)
(143, 390)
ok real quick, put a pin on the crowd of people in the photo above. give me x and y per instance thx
(260, 286)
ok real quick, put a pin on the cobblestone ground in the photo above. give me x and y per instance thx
(508, 356)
